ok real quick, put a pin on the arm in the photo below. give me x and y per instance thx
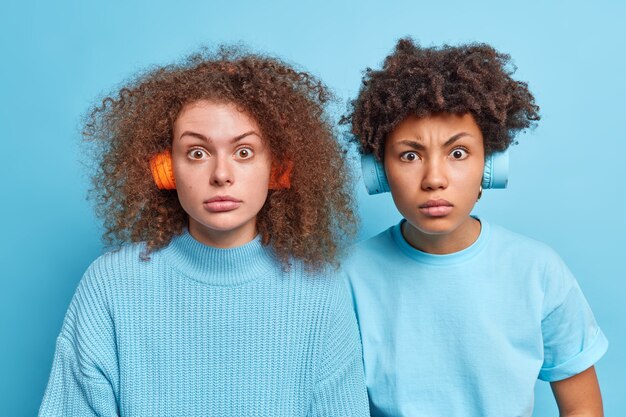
(573, 343)
(343, 393)
(340, 386)
(70, 392)
(579, 395)
(85, 364)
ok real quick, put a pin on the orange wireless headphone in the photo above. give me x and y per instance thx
(163, 174)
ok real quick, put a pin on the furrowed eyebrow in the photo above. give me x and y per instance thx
(412, 144)
(455, 138)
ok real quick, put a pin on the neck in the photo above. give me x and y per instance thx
(442, 244)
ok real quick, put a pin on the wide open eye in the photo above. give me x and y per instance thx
(409, 156)
(244, 153)
(197, 154)
(459, 154)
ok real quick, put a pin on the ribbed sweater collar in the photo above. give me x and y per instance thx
(216, 266)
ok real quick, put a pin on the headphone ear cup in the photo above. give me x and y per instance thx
(374, 175)
(496, 173)
(162, 172)
(280, 176)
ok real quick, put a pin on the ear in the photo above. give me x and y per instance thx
(162, 172)
(280, 176)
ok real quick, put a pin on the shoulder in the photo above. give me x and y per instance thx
(124, 254)
(111, 272)
(321, 290)
(521, 246)
(375, 244)
(372, 249)
(90, 308)
(126, 260)
(330, 295)
(326, 279)
(530, 260)
(372, 258)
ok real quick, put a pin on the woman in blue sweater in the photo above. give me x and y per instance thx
(460, 317)
(222, 176)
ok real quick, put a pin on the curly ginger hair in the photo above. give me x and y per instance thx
(309, 221)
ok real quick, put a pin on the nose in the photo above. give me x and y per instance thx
(435, 176)
(222, 173)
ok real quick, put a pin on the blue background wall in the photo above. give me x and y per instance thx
(566, 185)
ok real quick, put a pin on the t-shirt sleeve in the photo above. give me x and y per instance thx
(572, 340)
(84, 367)
(340, 385)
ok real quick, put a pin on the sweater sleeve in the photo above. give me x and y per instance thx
(340, 386)
(84, 369)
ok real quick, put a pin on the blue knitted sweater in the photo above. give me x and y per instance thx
(201, 331)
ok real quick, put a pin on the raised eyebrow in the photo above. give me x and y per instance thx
(204, 138)
(243, 135)
(455, 138)
(194, 134)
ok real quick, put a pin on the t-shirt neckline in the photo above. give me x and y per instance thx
(441, 260)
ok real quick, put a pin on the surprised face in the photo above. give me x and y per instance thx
(222, 168)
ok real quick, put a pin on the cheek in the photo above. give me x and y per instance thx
(256, 197)
(255, 182)
(466, 188)
(404, 191)
(185, 194)
(181, 174)
(186, 187)
(467, 177)
(261, 197)
(402, 180)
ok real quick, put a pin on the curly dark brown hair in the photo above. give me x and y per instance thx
(414, 80)
(309, 221)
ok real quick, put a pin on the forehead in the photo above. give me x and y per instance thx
(435, 129)
(214, 120)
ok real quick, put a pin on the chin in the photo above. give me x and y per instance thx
(221, 227)
(220, 223)
(434, 226)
